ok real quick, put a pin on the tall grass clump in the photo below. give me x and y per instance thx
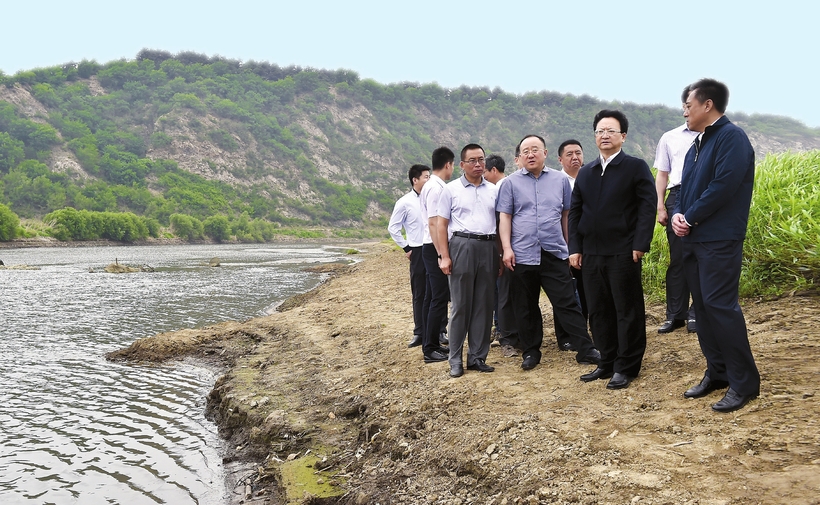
(780, 253)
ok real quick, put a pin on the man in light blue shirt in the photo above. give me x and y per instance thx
(533, 206)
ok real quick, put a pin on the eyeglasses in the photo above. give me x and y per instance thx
(527, 152)
(601, 133)
(473, 161)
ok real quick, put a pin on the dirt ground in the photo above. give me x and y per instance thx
(329, 382)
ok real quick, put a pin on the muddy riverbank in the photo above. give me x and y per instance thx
(322, 402)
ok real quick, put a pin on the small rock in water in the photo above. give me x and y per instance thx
(215, 262)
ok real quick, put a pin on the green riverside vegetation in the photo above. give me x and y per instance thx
(201, 147)
(780, 253)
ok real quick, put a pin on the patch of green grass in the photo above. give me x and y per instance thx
(780, 253)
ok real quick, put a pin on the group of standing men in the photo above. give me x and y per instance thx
(585, 230)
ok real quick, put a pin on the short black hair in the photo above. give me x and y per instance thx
(495, 161)
(570, 142)
(468, 147)
(539, 137)
(614, 114)
(710, 89)
(415, 172)
(685, 95)
(442, 156)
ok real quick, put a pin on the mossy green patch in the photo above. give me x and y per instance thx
(300, 477)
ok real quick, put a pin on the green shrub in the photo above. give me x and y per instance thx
(9, 224)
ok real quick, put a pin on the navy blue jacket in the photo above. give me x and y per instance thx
(613, 213)
(716, 189)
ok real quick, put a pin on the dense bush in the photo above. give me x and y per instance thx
(187, 227)
(217, 228)
(9, 224)
(72, 224)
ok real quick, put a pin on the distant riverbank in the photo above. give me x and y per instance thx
(22, 243)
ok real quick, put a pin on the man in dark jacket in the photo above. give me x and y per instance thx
(711, 215)
(611, 221)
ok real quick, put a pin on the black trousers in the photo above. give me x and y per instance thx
(677, 289)
(617, 314)
(713, 273)
(418, 288)
(561, 335)
(552, 275)
(436, 297)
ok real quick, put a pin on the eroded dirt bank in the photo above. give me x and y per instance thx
(329, 384)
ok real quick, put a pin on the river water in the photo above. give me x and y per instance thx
(75, 428)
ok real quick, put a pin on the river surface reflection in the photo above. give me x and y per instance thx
(75, 428)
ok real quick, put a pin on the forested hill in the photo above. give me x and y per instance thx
(204, 136)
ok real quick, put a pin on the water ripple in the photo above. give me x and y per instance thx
(77, 429)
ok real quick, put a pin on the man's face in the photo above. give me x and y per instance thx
(418, 182)
(533, 154)
(473, 164)
(493, 175)
(695, 113)
(609, 143)
(572, 159)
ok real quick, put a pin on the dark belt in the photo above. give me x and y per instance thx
(674, 188)
(473, 236)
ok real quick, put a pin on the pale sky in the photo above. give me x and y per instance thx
(631, 51)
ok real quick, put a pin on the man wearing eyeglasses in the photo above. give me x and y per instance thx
(533, 205)
(469, 255)
(611, 222)
(711, 216)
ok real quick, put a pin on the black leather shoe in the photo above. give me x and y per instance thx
(480, 366)
(593, 357)
(671, 325)
(415, 342)
(598, 373)
(456, 370)
(566, 346)
(442, 339)
(434, 357)
(619, 381)
(732, 401)
(529, 362)
(705, 387)
(691, 326)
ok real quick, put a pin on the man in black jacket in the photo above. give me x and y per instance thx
(711, 216)
(611, 221)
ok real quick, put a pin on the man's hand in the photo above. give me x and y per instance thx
(446, 265)
(408, 254)
(663, 216)
(509, 259)
(679, 225)
(575, 260)
(637, 255)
